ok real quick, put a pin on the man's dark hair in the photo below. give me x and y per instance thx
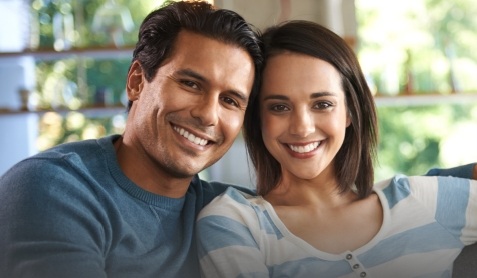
(159, 30)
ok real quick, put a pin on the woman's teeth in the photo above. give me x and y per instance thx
(304, 149)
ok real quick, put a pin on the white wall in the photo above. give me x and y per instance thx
(337, 15)
(18, 131)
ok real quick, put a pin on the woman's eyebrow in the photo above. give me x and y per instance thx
(278, 97)
(321, 94)
(312, 96)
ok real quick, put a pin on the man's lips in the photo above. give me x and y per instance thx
(191, 137)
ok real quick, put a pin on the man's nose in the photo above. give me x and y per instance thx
(207, 110)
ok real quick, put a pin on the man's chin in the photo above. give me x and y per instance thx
(187, 172)
(190, 169)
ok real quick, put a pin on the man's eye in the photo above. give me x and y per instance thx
(190, 84)
(230, 101)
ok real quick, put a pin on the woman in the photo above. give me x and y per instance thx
(317, 213)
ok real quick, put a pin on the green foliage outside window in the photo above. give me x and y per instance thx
(417, 138)
(76, 83)
(421, 47)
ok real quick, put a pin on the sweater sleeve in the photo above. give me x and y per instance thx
(49, 222)
(226, 245)
(464, 171)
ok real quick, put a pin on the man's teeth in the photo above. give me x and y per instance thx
(191, 137)
(304, 149)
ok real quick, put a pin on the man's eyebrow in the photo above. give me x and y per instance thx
(191, 73)
(188, 72)
(239, 95)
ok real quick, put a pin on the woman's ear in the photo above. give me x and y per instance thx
(135, 81)
(348, 118)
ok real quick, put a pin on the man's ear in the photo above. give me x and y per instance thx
(135, 81)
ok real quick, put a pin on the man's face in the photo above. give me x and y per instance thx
(188, 116)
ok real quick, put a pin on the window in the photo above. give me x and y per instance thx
(421, 51)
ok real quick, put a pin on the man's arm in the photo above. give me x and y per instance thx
(468, 171)
(47, 226)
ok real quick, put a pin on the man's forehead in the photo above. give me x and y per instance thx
(191, 47)
(194, 42)
(211, 60)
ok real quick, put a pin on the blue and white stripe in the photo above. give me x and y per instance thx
(427, 221)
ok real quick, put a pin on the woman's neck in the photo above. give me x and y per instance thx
(322, 191)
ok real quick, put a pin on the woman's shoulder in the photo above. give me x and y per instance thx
(426, 189)
(233, 202)
(402, 183)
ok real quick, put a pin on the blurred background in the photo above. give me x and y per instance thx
(63, 66)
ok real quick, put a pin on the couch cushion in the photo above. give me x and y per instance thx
(465, 266)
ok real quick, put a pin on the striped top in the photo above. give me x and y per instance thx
(426, 223)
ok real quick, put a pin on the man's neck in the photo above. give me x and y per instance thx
(147, 176)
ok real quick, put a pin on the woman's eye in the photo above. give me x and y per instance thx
(279, 108)
(323, 105)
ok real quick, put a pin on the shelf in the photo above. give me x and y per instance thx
(381, 100)
(93, 112)
(425, 99)
(90, 52)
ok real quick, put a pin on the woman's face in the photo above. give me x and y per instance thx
(304, 114)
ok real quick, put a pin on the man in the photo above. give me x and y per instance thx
(125, 206)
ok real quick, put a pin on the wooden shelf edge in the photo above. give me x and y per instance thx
(92, 52)
(96, 111)
(425, 99)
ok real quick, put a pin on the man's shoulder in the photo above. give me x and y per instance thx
(81, 152)
(81, 147)
(61, 164)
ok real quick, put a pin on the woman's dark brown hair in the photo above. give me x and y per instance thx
(354, 161)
